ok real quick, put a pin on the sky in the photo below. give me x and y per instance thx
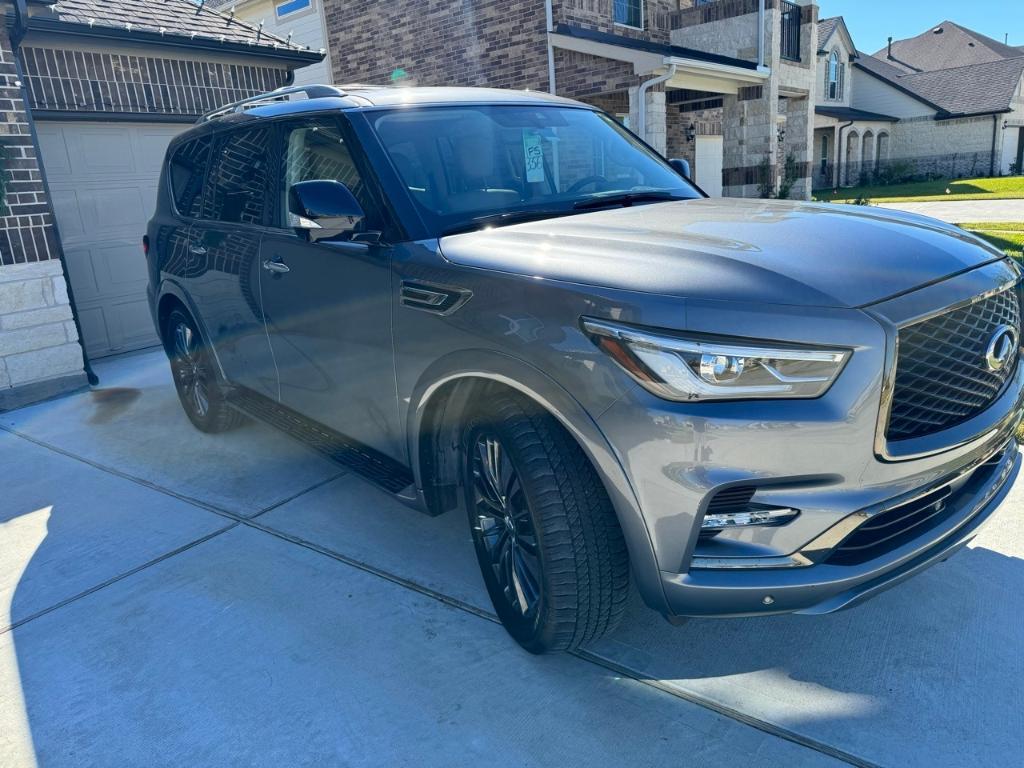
(872, 21)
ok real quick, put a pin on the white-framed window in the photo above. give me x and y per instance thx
(283, 8)
(835, 75)
(629, 13)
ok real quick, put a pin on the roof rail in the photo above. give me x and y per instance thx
(281, 94)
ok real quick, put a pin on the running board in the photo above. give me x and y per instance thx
(378, 468)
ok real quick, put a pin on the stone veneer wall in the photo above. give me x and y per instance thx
(39, 351)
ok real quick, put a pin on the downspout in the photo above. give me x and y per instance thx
(760, 33)
(549, 18)
(641, 97)
(995, 136)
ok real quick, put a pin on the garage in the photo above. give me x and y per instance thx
(103, 180)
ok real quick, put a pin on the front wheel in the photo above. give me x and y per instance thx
(547, 539)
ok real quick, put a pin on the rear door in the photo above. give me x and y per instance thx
(223, 260)
(328, 304)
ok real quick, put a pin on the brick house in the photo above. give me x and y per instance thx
(719, 83)
(90, 94)
(947, 103)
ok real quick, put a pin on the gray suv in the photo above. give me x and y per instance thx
(506, 304)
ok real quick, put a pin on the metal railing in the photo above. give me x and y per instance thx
(792, 17)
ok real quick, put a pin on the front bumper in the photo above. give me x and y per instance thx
(824, 588)
(816, 456)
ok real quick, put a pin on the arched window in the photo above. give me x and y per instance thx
(834, 76)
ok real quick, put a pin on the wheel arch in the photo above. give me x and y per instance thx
(172, 295)
(440, 402)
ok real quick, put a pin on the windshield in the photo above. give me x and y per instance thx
(464, 165)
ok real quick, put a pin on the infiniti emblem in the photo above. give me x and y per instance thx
(1001, 348)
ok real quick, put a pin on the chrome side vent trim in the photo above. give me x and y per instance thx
(436, 299)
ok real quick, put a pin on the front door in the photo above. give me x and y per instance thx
(328, 304)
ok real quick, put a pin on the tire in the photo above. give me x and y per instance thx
(195, 377)
(548, 542)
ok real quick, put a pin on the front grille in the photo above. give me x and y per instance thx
(942, 378)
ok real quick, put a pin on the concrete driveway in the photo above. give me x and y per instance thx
(964, 211)
(173, 598)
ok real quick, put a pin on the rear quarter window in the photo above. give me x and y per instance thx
(188, 172)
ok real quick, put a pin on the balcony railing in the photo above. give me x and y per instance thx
(792, 17)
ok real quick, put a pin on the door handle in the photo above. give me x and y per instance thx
(276, 265)
(197, 250)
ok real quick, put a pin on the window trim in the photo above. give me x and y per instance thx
(296, 13)
(834, 57)
(626, 25)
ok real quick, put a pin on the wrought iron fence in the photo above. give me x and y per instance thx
(792, 16)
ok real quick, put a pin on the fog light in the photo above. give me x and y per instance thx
(748, 517)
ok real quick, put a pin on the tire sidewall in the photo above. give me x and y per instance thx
(534, 634)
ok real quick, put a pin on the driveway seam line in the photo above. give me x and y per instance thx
(161, 489)
(587, 656)
(117, 578)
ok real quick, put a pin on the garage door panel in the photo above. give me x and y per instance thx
(94, 329)
(103, 179)
(67, 207)
(54, 150)
(103, 152)
(81, 272)
(131, 324)
(120, 267)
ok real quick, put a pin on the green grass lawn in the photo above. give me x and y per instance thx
(1005, 235)
(1008, 188)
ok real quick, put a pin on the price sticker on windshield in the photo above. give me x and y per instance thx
(533, 150)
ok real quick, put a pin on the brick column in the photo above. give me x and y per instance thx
(40, 355)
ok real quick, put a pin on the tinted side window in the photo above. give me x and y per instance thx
(187, 172)
(239, 182)
(314, 150)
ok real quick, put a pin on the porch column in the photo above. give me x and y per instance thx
(838, 157)
(656, 126)
(749, 125)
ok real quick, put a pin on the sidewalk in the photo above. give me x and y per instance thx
(963, 211)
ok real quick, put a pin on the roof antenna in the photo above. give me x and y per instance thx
(890, 47)
(200, 8)
(231, 16)
(259, 32)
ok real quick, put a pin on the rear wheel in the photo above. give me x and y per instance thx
(549, 545)
(195, 377)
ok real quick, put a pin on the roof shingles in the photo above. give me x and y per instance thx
(179, 18)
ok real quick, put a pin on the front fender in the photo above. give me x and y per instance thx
(490, 365)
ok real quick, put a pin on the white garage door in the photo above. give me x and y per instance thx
(103, 179)
(708, 171)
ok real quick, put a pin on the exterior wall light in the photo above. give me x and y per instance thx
(691, 133)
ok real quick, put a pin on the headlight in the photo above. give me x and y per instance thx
(680, 368)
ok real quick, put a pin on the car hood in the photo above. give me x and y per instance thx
(761, 251)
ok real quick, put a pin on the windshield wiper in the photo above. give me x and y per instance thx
(627, 199)
(502, 219)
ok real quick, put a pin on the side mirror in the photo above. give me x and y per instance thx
(682, 167)
(324, 208)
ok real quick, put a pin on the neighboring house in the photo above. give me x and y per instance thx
(299, 21)
(695, 79)
(90, 95)
(949, 102)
